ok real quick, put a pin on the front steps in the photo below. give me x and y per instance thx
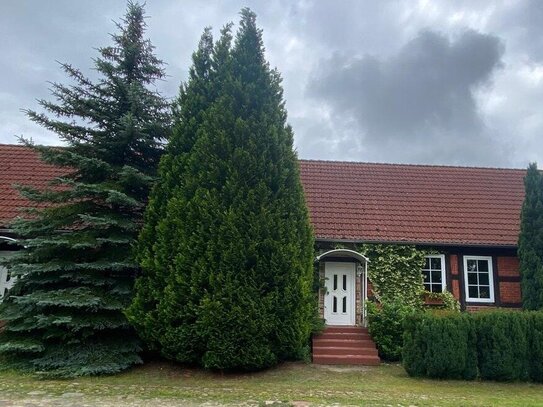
(345, 345)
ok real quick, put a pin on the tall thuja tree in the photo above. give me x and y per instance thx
(64, 316)
(530, 246)
(258, 307)
(235, 237)
(159, 238)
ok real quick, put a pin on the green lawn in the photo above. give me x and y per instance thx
(162, 384)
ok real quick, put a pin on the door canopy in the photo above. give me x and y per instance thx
(343, 253)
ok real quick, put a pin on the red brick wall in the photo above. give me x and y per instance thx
(508, 266)
(508, 269)
(510, 292)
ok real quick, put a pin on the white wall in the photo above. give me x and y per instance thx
(5, 281)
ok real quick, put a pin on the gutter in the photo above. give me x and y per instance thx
(417, 243)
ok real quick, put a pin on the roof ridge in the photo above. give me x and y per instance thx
(309, 160)
(11, 145)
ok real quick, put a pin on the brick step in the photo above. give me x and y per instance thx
(346, 360)
(344, 335)
(349, 343)
(334, 350)
(340, 329)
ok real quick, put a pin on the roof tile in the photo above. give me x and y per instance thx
(20, 165)
(360, 201)
(413, 203)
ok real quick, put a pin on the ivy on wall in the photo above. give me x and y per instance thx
(395, 272)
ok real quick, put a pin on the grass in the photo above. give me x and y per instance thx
(163, 384)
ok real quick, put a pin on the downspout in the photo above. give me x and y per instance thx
(365, 310)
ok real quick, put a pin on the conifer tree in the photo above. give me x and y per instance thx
(231, 234)
(64, 316)
(530, 246)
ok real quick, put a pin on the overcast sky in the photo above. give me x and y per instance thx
(437, 82)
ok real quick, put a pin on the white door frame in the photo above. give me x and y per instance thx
(349, 270)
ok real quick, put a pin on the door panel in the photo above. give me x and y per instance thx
(339, 300)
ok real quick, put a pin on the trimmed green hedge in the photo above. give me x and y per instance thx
(440, 346)
(500, 345)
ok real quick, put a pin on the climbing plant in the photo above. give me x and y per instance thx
(395, 272)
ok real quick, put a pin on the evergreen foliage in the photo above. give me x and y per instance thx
(535, 346)
(502, 345)
(451, 347)
(414, 345)
(441, 346)
(386, 327)
(64, 316)
(497, 345)
(227, 247)
(530, 246)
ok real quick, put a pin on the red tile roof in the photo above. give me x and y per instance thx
(413, 203)
(20, 165)
(360, 201)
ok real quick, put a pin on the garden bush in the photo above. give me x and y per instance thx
(414, 345)
(440, 346)
(386, 322)
(497, 345)
(502, 345)
(535, 346)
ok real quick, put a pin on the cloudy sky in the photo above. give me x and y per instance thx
(437, 82)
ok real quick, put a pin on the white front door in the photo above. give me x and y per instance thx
(339, 300)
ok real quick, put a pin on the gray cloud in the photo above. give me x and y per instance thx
(364, 80)
(423, 95)
(522, 22)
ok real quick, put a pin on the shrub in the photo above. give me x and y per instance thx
(386, 327)
(414, 345)
(502, 345)
(535, 346)
(440, 346)
(451, 347)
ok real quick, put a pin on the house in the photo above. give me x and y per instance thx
(18, 165)
(469, 216)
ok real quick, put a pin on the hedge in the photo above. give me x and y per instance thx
(440, 346)
(499, 345)
(502, 345)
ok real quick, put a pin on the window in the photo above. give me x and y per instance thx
(434, 273)
(478, 279)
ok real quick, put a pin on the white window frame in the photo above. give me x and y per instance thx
(443, 269)
(490, 279)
